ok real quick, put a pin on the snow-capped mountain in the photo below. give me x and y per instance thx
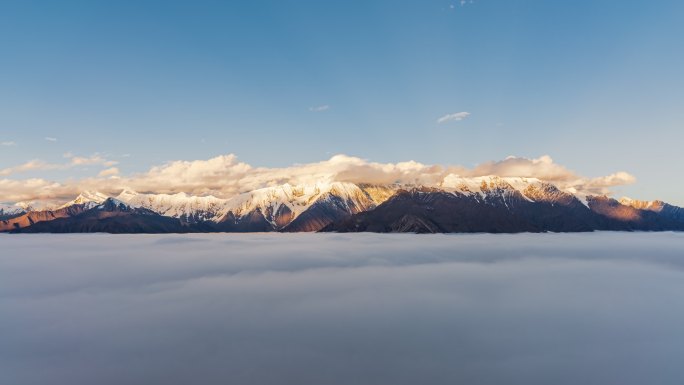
(483, 204)
(111, 216)
(280, 208)
(301, 206)
(266, 209)
(10, 210)
(493, 204)
(185, 207)
(660, 207)
(31, 218)
(88, 198)
(458, 204)
(641, 205)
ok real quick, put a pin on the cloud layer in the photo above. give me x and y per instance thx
(225, 176)
(73, 161)
(563, 309)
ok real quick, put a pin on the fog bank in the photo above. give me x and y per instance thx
(597, 308)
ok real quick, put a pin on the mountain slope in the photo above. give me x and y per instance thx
(628, 217)
(280, 208)
(288, 208)
(187, 208)
(297, 208)
(10, 211)
(33, 217)
(111, 216)
(89, 199)
(498, 205)
(424, 210)
(664, 209)
(330, 207)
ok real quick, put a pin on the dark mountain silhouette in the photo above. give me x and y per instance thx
(505, 211)
(111, 216)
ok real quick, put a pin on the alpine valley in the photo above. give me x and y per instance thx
(464, 205)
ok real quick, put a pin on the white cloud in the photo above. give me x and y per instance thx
(95, 159)
(224, 176)
(458, 116)
(8, 143)
(112, 171)
(546, 169)
(322, 108)
(74, 161)
(31, 165)
(50, 139)
(33, 189)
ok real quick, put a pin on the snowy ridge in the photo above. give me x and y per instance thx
(641, 205)
(297, 199)
(181, 205)
(281, 205)
(270, 202)
(90, 199)
(485, 185)
(509, 204)
(111, 203)
(8, 210)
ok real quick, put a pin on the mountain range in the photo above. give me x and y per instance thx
(483, 204)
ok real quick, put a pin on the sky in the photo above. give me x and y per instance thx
(528, 309)
(118, 88)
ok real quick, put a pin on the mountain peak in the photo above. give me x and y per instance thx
(6, 210)
(641, 205)
(88, 198)
(112, 204)
(127, 192)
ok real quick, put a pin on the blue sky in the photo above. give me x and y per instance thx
(597, 85)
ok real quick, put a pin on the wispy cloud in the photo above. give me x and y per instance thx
(322, 108)
(113, 171)
(8, 143)
(31, 165)
(95, 159)
(458, 116)
(74, 161)
(50, 139)
(462, 3)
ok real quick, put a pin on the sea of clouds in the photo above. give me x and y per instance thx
(598, 308)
